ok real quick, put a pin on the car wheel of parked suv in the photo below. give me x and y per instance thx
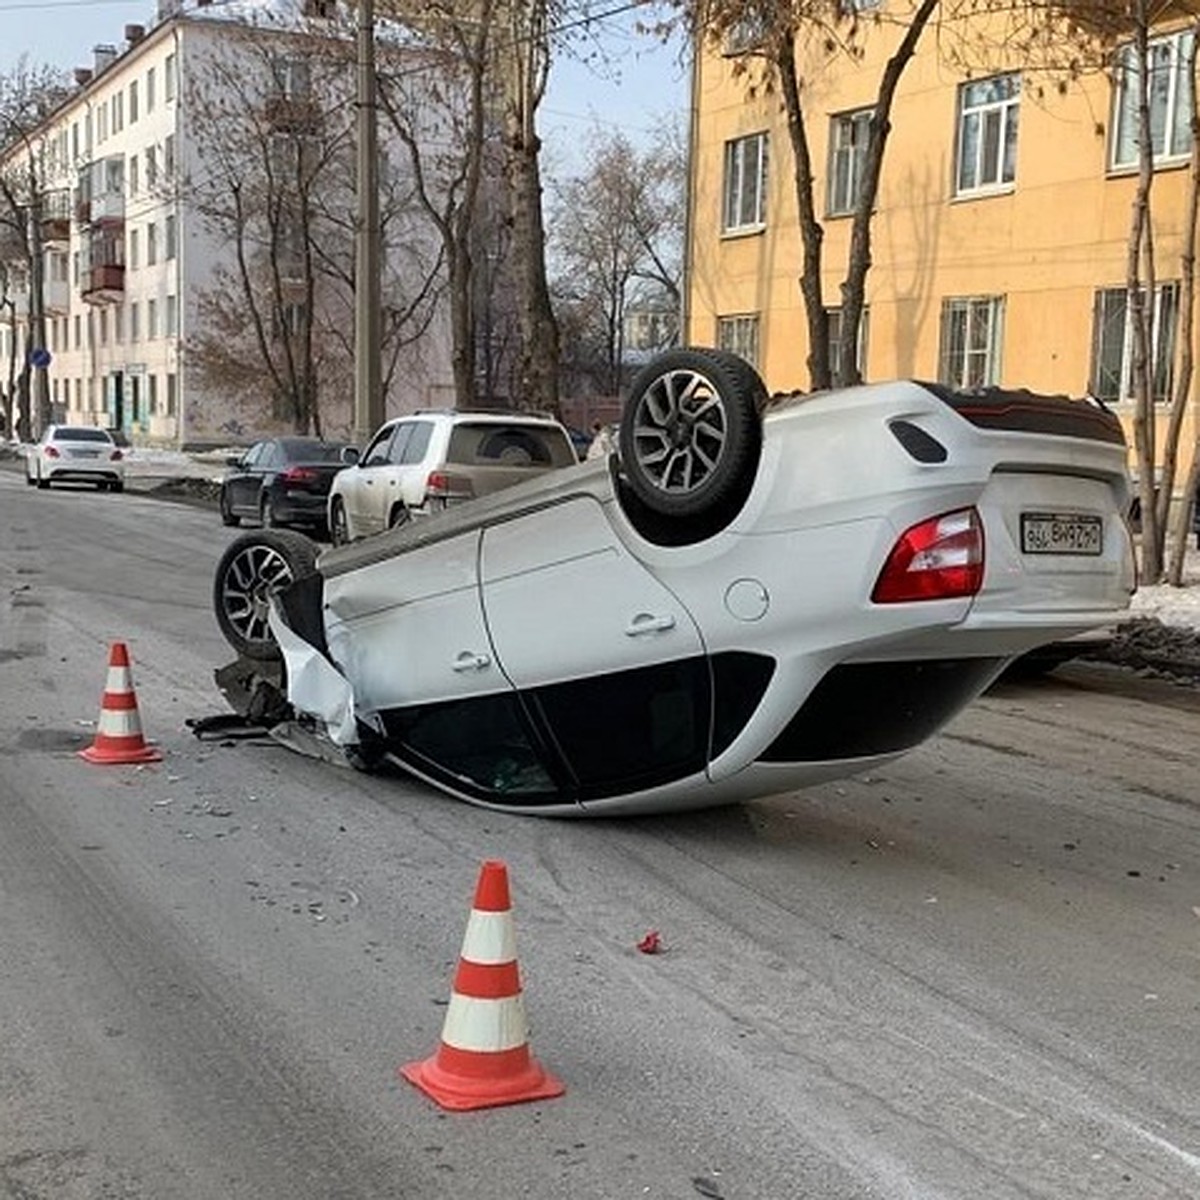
(254, 567)
(339, 531)
(691, 432)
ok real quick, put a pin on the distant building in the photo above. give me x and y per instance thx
(130, 258)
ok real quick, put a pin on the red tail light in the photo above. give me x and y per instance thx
(298, 475)
(51, 452)
(441, 485)
(939, 559)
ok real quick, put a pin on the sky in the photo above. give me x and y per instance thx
(640, 83)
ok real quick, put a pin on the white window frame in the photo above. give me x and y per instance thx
(739, 334)
(1169, 109)
(744, 190)
(1113, 303)
(977, 364)
(849, 135)
(987, 130)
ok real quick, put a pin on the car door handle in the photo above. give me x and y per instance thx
(649, 623)
(470, 661)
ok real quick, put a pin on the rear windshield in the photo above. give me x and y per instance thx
(491, 444)
(313, 452)
(81, 433)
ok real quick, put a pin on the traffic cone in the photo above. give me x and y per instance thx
(119, 733)
(483, 1060)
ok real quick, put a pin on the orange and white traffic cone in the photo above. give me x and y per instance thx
(484, 1060)
(119, 733)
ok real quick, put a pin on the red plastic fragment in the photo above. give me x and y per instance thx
(651, 943)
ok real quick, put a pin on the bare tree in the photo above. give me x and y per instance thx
(438, 102)
(618, 226)
(274, 182)
(27, 96)
(778, 41)
(524, 72)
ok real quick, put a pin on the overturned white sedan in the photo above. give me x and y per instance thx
(752, 595)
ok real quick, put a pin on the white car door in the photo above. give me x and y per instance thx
(565, 600)
(365, 483)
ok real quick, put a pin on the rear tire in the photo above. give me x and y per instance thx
(691, 433)
(253, 568)
(117, 485)
(339, 528)
(227, 516)
(399, 515)
(43, 483)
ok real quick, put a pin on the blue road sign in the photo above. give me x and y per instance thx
(39, 357)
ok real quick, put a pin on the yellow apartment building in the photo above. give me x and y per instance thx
(1000, 234)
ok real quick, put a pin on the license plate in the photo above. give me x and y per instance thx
(1061, 533)
(85, 453)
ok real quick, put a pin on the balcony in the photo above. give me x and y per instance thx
(56, 218)
(108, 208)
(104, 283)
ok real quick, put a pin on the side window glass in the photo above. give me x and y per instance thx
(418, 442)
(253, 455)
(270, 456)
(377, 452)
(396, 449)
(655, 723)
(482, 746)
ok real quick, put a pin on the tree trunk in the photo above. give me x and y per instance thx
(1141, 307)
(859, 258)
(811, 232)
(525, 82)
(1187, 327)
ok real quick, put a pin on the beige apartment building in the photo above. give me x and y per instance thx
(1001, 227)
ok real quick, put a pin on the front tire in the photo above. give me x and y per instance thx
(253, 568)
(691, 433)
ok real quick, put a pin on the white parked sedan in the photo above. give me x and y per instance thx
(748, 597)
(76, 454)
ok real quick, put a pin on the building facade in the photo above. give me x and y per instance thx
(134, 260)
(1000, 233)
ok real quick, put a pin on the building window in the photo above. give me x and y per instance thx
(151, 244)
(151, 166)
(102, 318)
(172, 393)
(133, 175)
(169, 77)
(745, 35)
(152, 393)
(101, 123)
(836, 348)
(78, 331)
(970, 349)
(119, 324)
(171, 239)
(151, 320)
(848, 137)
(135, 331)
(293, 78)
(1112, 343)
(172, 317)
(133, 102)
(133, 249)
(1170, 100)
(987, 133)
(150, 90)
(118, 112)
(169, 155)
(739, 335)
(745, 183)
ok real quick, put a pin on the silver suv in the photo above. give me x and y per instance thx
(426, 461)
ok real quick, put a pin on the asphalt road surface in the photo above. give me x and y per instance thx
(972, 976)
